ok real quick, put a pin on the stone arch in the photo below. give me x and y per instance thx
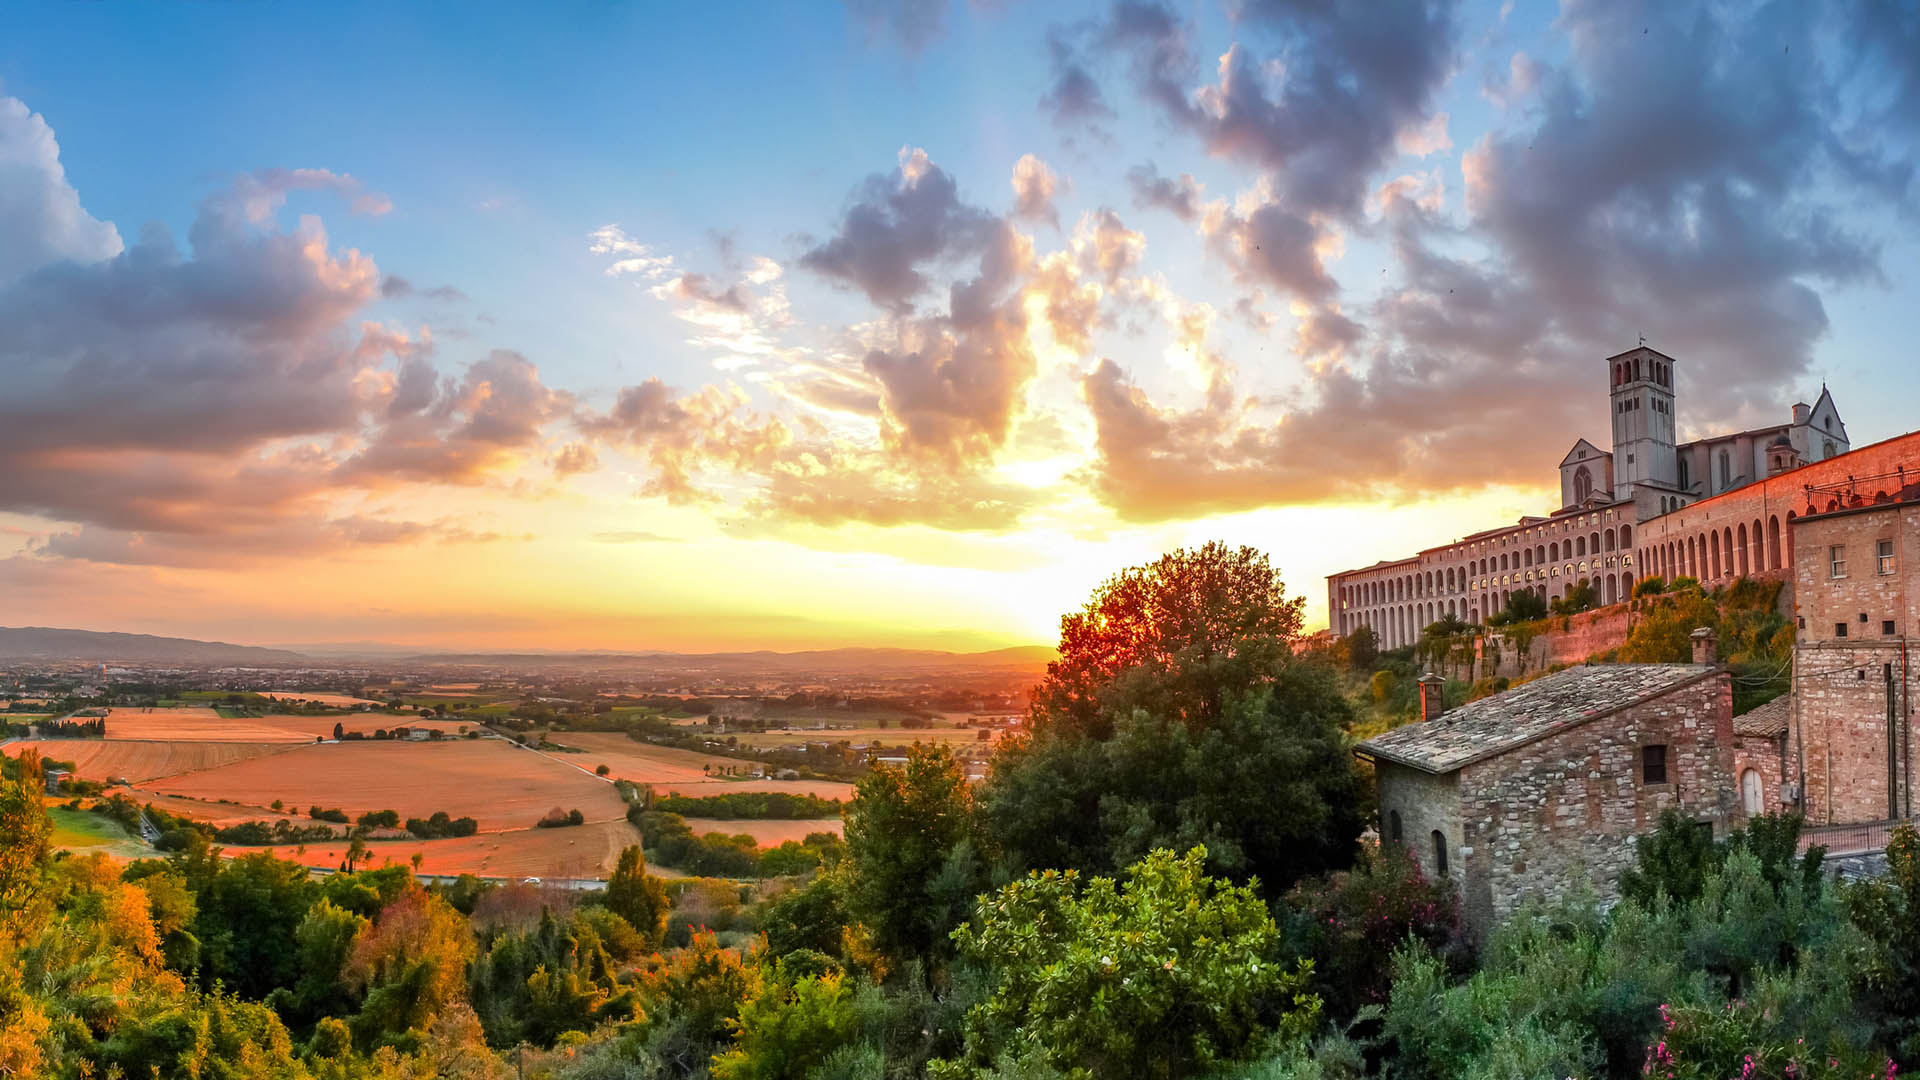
(1742, 549)
(1608, 537)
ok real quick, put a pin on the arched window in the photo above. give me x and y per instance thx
(1626, 536)
(1439, 854)
(1582, 484)
(1686, 484)
(1726, 470)
(1830, 448)
(1393, 826)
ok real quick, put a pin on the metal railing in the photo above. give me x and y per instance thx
(1859, 839)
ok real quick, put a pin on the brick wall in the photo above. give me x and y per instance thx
(1587, 633)
(1563, 813)
(1426, 804)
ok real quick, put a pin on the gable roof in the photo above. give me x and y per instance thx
(1526, 714)
(1765, 720)
(1574, 454)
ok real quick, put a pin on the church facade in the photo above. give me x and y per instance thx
(1622, 514)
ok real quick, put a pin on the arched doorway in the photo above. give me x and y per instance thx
(1752, 792)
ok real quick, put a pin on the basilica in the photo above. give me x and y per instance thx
(1649, 506)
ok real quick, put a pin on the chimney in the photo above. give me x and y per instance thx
(1703, 642)
(1433, 697)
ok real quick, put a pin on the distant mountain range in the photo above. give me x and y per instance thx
(45, 643)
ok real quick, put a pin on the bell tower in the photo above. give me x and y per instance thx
(1641, 389)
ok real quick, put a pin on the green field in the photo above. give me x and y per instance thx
(78, 830)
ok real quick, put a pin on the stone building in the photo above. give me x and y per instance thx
(1763, 765)
(1546, 787)
(1856, 602)
(1609, 499)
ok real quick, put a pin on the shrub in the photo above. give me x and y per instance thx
(1349, 923)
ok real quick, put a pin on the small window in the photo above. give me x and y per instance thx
(1839, 629)
(1653, 764)
(1439, 854)
(1885, 553)
(1886, 627)
(1837, 561)
(1393, 826)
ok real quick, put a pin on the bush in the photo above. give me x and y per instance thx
(776, 805)
(441, 825)
(339, 816)
(1349, 923)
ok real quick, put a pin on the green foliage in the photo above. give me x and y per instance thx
(1184, 637)
(792, 1025)
(25, 843)
(1270, 789)
(1349, 923)
(1382, 685)
(378, 819)
(1162, 975)
(910, 848)
(812, 917)
(562, 976)
(1362, 648)
(637, 896)
(1652, 586)
(1888, 911)
(775, 805)
(1680, 855)
(247, 914)
(440, 824)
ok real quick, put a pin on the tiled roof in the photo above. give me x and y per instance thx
(1768, 719)
(1525, 714)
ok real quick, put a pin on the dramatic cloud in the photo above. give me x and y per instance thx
(41, 219)
(897, 226)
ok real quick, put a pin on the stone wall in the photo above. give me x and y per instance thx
(1587, 633)
(1768, 758)
(1841, 682)
(1425, 804)
(1563, 813)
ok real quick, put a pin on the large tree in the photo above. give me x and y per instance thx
(1178, 716)
(1183, 636)
(909, 843)
(1271, 789)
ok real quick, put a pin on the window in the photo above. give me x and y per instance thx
(1439, 854)
(1837, 561)
(1653, 765)
(1886, 627)
(1839, 629)
(1885, 553)
(1393, 825)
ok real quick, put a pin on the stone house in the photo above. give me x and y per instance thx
(1762, 761)
(1544, 788)
(1856, 602)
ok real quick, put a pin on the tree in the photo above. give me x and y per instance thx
(1362, 648)
(1271, 789)
(411, 965)
(1525, 605)
(1664, 634)
(909, 842)
(25, 843)
(789, 1027)
(637, 896)
(1163, 974)
(338, 731)
(1183, 635)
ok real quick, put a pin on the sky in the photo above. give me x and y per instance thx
(717, 326)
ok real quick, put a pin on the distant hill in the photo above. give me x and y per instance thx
(47, 643)
(825, 661)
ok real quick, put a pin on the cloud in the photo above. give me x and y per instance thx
(1073, 97)
(395, 287)
(41, 219)
(636, 537)
(636, 258)
(896, 227)
(1179, 196)
(1033, 189)
(478, 426)
(575, 457)
(911, 24)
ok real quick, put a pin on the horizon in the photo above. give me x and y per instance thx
(572, 340)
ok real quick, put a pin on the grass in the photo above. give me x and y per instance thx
(79, 828)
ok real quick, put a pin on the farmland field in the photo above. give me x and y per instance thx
(77, 830)
(668, 769)
(502, 786)
(319, 698)
(765, 832)
(584, 851)
(892, 735)
(187, 724)
(308, 727)
(98, 759)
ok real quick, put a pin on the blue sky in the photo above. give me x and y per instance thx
(1414, 231)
